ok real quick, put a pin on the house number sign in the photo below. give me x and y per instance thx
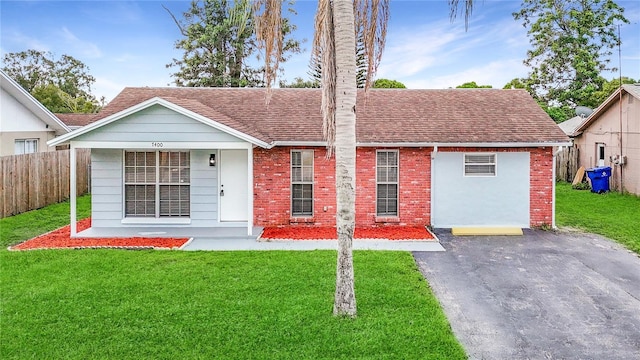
(157, 144)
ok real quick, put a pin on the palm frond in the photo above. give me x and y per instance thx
(468, 9)
(269, 35)
(324, 49)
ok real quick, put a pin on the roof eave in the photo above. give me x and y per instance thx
(430, 144)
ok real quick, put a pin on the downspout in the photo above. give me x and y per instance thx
(553, 188)
(433, 178)
(620, 105)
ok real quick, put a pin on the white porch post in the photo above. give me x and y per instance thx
(250, 192)
(72, 188)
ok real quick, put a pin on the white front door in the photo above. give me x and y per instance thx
(233, 185)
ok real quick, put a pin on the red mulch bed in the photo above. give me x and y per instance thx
(329, 233)
(61, 239)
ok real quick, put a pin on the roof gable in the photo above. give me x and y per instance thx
(631, 89)
(167, 103)
(32, 104)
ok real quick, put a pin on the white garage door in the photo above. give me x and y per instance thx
(480, 189)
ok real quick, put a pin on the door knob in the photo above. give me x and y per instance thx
(221, 190)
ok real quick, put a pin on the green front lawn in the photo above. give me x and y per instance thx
(243, 305)
(21, 227)
(612, 214)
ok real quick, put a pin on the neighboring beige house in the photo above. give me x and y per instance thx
(25, 124)
(610, 136)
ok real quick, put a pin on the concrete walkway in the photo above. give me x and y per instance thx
(202, 243)
(544, 295)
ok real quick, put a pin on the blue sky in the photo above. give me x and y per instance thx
(128, 43)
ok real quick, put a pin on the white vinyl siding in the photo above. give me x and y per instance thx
(480, 165)
(26, 146)
(387, 182)
(302, 182)
(157, 184)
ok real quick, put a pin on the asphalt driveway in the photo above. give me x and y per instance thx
(544, 295)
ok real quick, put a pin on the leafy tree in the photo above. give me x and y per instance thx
(571, 41)
(58, 101)
(558, 113)
(608, 87)
(62, 85)
(473, 85)
(334, 40)
(218, 41)
(518, 83)
(299, 82)
(388, 84)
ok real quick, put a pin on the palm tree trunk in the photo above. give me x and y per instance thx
(345, 152)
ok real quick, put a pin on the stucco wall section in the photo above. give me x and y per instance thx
(606, 130)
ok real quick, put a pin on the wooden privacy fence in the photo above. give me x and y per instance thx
(32, 181)
(567, 163)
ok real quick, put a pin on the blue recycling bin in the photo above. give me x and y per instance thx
(599, 177)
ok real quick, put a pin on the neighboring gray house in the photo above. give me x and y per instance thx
(25, 124)
(214, 158)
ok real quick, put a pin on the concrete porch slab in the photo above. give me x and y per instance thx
(203, 243)
(173, 232)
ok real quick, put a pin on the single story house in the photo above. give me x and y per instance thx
(610, 136)
(215, 157)
(25, 124)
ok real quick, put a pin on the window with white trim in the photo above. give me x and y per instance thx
(387, 182)
(26, 146)
(479, 164)
(157, 184)
(302, 182)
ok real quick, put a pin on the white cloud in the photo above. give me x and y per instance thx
(496, 74)
(85, 48)
(22, 41)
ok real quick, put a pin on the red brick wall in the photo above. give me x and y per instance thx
(541, 193)
(272, 190)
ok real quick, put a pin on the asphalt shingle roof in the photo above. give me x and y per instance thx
(383, 115)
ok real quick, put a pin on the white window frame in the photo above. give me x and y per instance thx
(23, 146)
(396, 183)
(158, 184)
(303, 182)
(493, 163)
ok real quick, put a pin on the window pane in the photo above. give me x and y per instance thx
(129, 158)
(296, 158)
(307, 158)
(164, 158)
(296, 174)
(31, 146)
(392, 158)
(19, 147)
(382, 174)
(307, 174)
(392, 191)
(382, 158)
(479, 159)
(392, 175)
